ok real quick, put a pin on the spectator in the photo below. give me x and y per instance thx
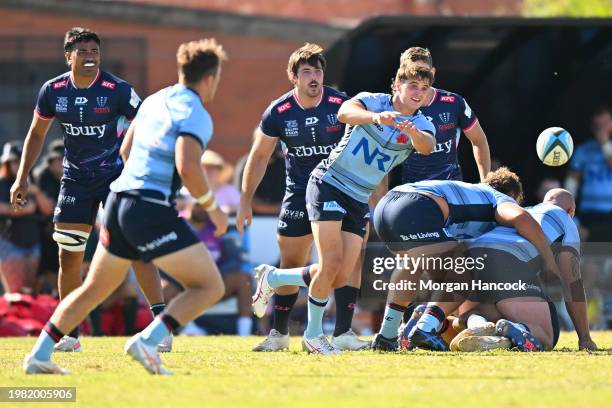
(219, 174)
(19, 231)
(47, 178)
(591, 175)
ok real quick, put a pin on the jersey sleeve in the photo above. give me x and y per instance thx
(571, 239)
(269, 123)
(197, 124)
(370, 101)
(466, 116)
(44, 108)
(424, 125)
(501, 198)
(130, 102)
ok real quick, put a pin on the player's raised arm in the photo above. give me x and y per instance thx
(187, 155)
(31, 150)
(254, 170)
(352, 112)
(423, 141)
(480, 147)
(514, 216)
(575, 298)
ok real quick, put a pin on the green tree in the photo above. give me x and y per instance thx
(569, 8)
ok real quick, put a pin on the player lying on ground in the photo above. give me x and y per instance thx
(383, 130)
(90, 105)
(169, 135)
(526, 316)
(425, 219)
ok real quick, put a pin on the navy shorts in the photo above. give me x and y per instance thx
(503, 267)
(138, 229)
(78, 202)
(407, 220)
(325, 202)
(293, 218)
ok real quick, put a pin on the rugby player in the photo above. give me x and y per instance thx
(383, 129)
(305, 121)
(90, 105)
(527, 317)
(169, 134)
(429, 217)
(451, 115)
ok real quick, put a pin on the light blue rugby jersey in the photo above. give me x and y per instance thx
(163, 116)
(557, 226)
(471, 206)
(367, 153)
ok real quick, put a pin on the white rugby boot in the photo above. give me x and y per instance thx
(488, 329)
(274, 342)
(33, 366)
(319, 345)
(68, 344)
(483, 343)
(146, 355)
(165, 346)
(264, 291)
(350, 341)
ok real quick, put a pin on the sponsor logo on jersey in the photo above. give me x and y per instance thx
(447, 98)
(444, 117)
(291, 128)
(60, 84)
(95, 131)
(335, 99)
(311, 121)
(282, 224)
(336, 128)
(65, 200)
(101, 101)
(446, 126)
(441, 147)
(102, 108)
(333, 206)
(80, 100)
(157, 242)
(420, 235)
(402, 139)
(332, 119)
(383, 161)
(285, 106)
(307, 151)
(108, 84)
(62, 104)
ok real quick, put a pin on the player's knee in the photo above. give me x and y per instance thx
(71, 240)
(331, 265)
(216, 289)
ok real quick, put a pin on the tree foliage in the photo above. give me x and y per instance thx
(569, 8)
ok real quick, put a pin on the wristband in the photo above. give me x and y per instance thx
(212, 206)
(204, 198)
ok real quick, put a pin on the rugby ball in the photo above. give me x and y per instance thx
(554, 146)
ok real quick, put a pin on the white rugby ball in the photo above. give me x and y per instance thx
(555, 146)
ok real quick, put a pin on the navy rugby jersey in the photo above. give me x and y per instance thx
(307, 135)
(450, 114)
(91, 120)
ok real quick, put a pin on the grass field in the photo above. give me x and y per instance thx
(215, 371)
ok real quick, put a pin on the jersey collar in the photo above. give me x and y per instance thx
(295, 98)
(435, 95)
(88, 86)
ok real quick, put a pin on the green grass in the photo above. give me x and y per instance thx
(214, 371)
